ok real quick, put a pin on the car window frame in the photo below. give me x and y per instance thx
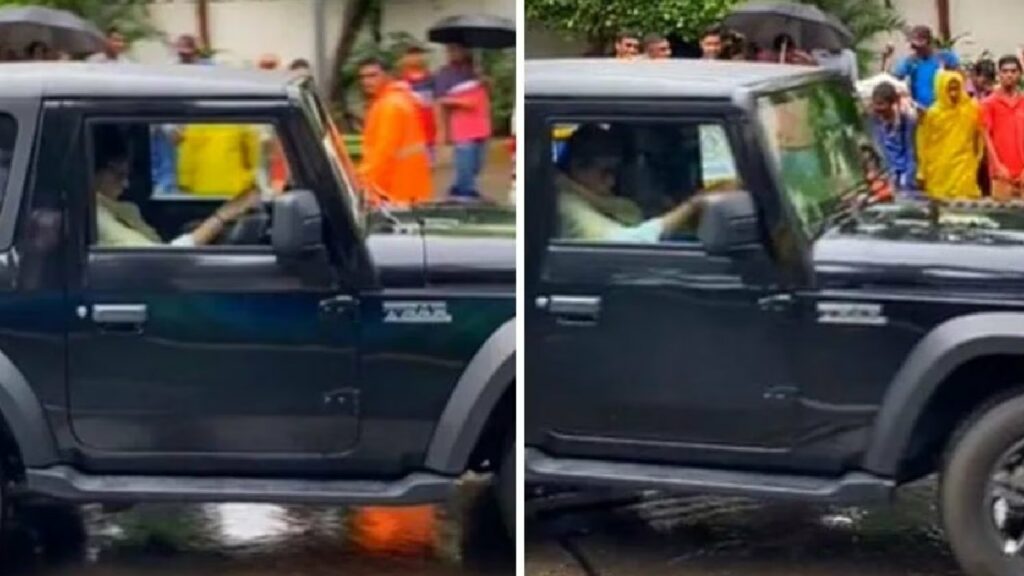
(718, 116)
(85, 142)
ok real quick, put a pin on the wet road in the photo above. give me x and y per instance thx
(696, 536)
(459, 539)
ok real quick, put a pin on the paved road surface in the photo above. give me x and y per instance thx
(461, 539)
(692, 536)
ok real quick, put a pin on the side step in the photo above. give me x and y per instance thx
(68, 484)
(853, 488)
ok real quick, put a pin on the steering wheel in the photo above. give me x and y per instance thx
(250, 229)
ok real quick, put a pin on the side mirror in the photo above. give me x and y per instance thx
(728, 222)
(297, 230)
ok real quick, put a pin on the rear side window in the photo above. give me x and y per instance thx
(8, 135)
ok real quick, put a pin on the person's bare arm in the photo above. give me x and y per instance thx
(212, 227)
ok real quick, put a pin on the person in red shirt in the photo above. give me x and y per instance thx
(1003, 120)
(415, 72)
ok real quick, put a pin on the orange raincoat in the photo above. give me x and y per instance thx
(396, 161)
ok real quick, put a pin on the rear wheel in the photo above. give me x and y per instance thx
(982, 493)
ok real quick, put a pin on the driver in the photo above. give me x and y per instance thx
(121, 224)
(590, 210)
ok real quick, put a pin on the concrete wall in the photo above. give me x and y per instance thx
(242, 30)
(993, 25)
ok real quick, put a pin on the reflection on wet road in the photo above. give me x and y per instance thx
(461, 539)
(697, 536)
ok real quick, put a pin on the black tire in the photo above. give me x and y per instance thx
(505, 490)
(971, 461)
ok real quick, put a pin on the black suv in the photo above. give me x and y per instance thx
(714, 303)
(307, 351)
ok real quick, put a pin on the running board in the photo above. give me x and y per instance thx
(853, 488)
(68, 484)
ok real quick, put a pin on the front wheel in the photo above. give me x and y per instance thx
(982, 492)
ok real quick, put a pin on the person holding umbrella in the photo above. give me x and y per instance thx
(465, 110)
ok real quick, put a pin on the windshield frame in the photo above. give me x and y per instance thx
(330, 139)
(844, 203)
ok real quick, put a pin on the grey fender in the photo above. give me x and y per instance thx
(487, 376)
(24, 416)
(941, 351)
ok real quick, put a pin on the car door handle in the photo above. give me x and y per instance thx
(128, 315)
(572, 310)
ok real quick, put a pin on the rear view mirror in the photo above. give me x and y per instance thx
(728, 223)
(298, 225)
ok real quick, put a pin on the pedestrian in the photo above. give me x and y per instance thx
(395, 163)
(921, 67)
(895, 135)
(187, 49)
(712, 43)
(842, 60)
(657, 47)
(415, 72)
(38, 51)
(627, 45)
(983, 79)
(113, 48)
(785, 50)
(1003, 121)
(950, 142)
(268, 62)
(300, 66)
(465, 120)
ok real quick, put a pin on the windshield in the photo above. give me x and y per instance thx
(814, 135)
(334, 145)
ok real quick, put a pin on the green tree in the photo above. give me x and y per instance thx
(598, 21)
(130, 16)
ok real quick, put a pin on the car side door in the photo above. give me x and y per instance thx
(643, 346)
(210, 354)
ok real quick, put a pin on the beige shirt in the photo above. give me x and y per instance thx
(120, 224)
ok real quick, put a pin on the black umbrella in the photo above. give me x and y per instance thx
(763, 22)
(59, 29)
(475, 31)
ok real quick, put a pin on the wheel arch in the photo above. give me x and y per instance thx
(938, 366)
(488, 377)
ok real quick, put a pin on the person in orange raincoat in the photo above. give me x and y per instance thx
(396, 160)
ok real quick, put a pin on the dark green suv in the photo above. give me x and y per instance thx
(303, 349)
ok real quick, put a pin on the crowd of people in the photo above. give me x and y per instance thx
(952, 132)
(721, 43)
(944, 129)
(415, 119)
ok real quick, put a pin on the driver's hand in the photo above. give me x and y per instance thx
(238, 206)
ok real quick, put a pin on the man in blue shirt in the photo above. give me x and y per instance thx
(921, 67)
(893, 131)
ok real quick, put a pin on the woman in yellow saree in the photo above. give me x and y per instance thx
(949, 142)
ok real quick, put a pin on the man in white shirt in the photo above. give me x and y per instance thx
(113, 51)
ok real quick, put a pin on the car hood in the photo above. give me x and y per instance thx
(975, 244)
(461, 243)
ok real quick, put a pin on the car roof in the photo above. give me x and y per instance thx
(76, 79)
(608, 77)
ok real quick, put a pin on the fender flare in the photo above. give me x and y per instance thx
(932, 360)
(481, 385)
(23, 414)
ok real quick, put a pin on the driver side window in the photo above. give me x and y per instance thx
(183, 185)
(637, 182)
